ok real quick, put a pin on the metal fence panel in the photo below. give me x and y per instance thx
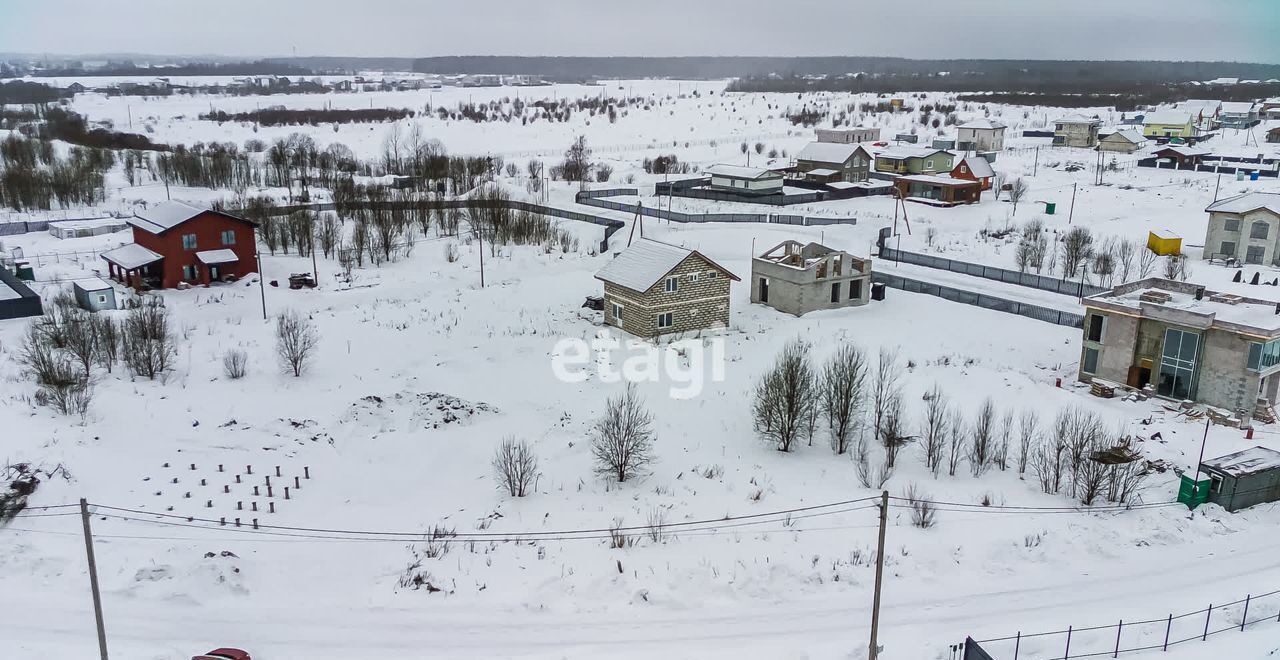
(1029, 280)
(985, 301)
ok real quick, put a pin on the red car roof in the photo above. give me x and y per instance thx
(231, 654)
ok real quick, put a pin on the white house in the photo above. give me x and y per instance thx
(980, 135)
(745, 180)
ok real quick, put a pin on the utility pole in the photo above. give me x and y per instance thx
(1072, 213)
(1217, 187)
(315, 270)
(873, 651)
(480, 235)
(93, 579)
(1195, 483)
(262, 286)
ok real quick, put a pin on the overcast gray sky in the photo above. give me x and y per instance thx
(1239, 30)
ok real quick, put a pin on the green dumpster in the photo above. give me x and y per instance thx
(1050, 207)
(1193, 494)
(24, 271)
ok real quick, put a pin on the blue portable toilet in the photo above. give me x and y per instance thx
(1253, 176)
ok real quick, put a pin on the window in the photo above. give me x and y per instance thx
(188, 241)
(1228, 249)
(693, 277)
(711, 274)
(855, 290)
(928, 164)
(102, 298)
(1215, 485)
(617, 313)
(1231, 224)
(664, 320)
(1258, 229)
(1178, 363)
(673, 284)
(835, 292)
(188, 272)
(1264, 356)
(1093, 330)
(229, 237)
(1089, 364)
(964, 169)
(1253, 254)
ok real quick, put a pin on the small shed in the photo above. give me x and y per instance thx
(1244, 479)
(17, 300)
(95, 294)
(1164, 242)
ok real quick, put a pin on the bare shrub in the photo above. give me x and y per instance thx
(923, 512)
(1028, 425)
(515, 467)
(893, 431)
(296, 341)
(886, 384)
(1077, 248)
(108, 334)
(618, 538)
(1146, 262)
(934, 429)
(451, 252)
(785, 396)
(1125, 251)
(235, 363)
(622, 439)
(981, 438)
(955, 440)
(148, 345)
(657, 527)
(843, 390)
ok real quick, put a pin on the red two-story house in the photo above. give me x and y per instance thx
(175, 242)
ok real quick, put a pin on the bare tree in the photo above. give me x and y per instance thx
(1001, 455)
(1090, 476)
(1172, 266)
(622, 439)
(235, 363)
(982, 438)
(148, 346)
(108, 333)
(886, 383)
(1077, 247)
(843, 394)
(785, 396)
(934, 429)
(80, 338)
(296, 340)
(328, 232)
(1017, 190)
(893, 432)
(515, 466)
(1027, 429)
(1146, 262)
(1000, 179)
(577, 161)
(955, 440)
(1126, 250)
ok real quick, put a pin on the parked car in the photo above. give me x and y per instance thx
(224, 654)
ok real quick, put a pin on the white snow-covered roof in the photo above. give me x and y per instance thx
(164, 216)
(93, 284)
(1133, 136)
(1164, 234)
(938, 179)
(645, 262)
(842, 185)
(1077, 119)
(982, 124)
(1247, 202)
(215, 257)
(903, 153)
(1185, 152)
(828, 152)
(88, 223)
(131, 255)
(740, 172)
(979, 166)
(1237, 107)
(1244, 463)
(823, 171)
(1173, 117)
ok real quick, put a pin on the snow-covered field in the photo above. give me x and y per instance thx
(420, 374)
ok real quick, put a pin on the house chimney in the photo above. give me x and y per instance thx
(1199, 293)
(1278, 309)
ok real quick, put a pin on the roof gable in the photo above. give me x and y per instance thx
(829, 152)
(646, 261)
(740, 172)
(1247, 203)
(166, 215)
(978, 166)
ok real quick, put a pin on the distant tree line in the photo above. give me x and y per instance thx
(255, 68)
(68, 126)
(29, 93)
(279, 116)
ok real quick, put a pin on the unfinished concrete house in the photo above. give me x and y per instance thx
(798, 279)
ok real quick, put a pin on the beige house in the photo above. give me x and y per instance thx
(1184, 343)
(824, 162)
(653, 288)
(744, 180)
(1125, 142)
(1245, 228)
(1076, 131)
(980, 135)
(848, 135)
(797, 279)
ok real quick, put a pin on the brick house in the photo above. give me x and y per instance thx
(175, 243)
(653, 289)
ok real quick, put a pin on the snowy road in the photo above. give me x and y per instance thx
(919, 619)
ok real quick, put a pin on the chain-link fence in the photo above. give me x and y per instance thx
(596, 198)
(983, 300)
(1112, 640)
